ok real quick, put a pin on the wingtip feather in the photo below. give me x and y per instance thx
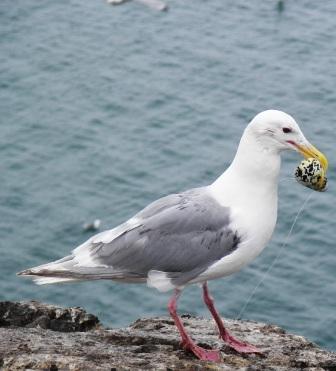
(26, 272)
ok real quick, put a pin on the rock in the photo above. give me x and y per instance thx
(35, 314)
(35, 336)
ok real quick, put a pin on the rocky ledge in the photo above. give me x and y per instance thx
(35, 336)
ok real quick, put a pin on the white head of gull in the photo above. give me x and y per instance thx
(197, 235)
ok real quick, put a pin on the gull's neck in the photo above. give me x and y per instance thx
(253, 173)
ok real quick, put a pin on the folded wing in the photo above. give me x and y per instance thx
(167, 244)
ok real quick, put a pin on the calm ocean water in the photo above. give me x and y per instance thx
(104, 109)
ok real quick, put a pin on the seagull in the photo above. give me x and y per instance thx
(197, 235)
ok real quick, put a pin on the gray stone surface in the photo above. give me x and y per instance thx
(35, 336)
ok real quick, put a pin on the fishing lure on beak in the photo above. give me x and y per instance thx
(311, 174)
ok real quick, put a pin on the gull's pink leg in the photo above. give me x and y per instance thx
(187, 342)
(237, 345)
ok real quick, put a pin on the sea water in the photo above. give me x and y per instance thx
(104, 109)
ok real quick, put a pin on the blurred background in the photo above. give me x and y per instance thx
(104, 109)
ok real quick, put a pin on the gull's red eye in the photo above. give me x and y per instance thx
(287, 130)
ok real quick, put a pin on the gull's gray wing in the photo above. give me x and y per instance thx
(181, 234)
(174, 239)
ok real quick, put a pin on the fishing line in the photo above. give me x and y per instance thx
(277, 256)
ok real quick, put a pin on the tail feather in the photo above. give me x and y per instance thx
(67, 270)
(58, 266)
(50, 280)
(54, 272)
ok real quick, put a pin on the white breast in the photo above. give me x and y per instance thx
(253, 215)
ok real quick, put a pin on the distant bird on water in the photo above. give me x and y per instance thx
(197, 235)
(93, 226)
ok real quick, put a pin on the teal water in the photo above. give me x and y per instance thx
(104, 109)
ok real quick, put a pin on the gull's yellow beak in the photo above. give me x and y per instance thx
(310, 151)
